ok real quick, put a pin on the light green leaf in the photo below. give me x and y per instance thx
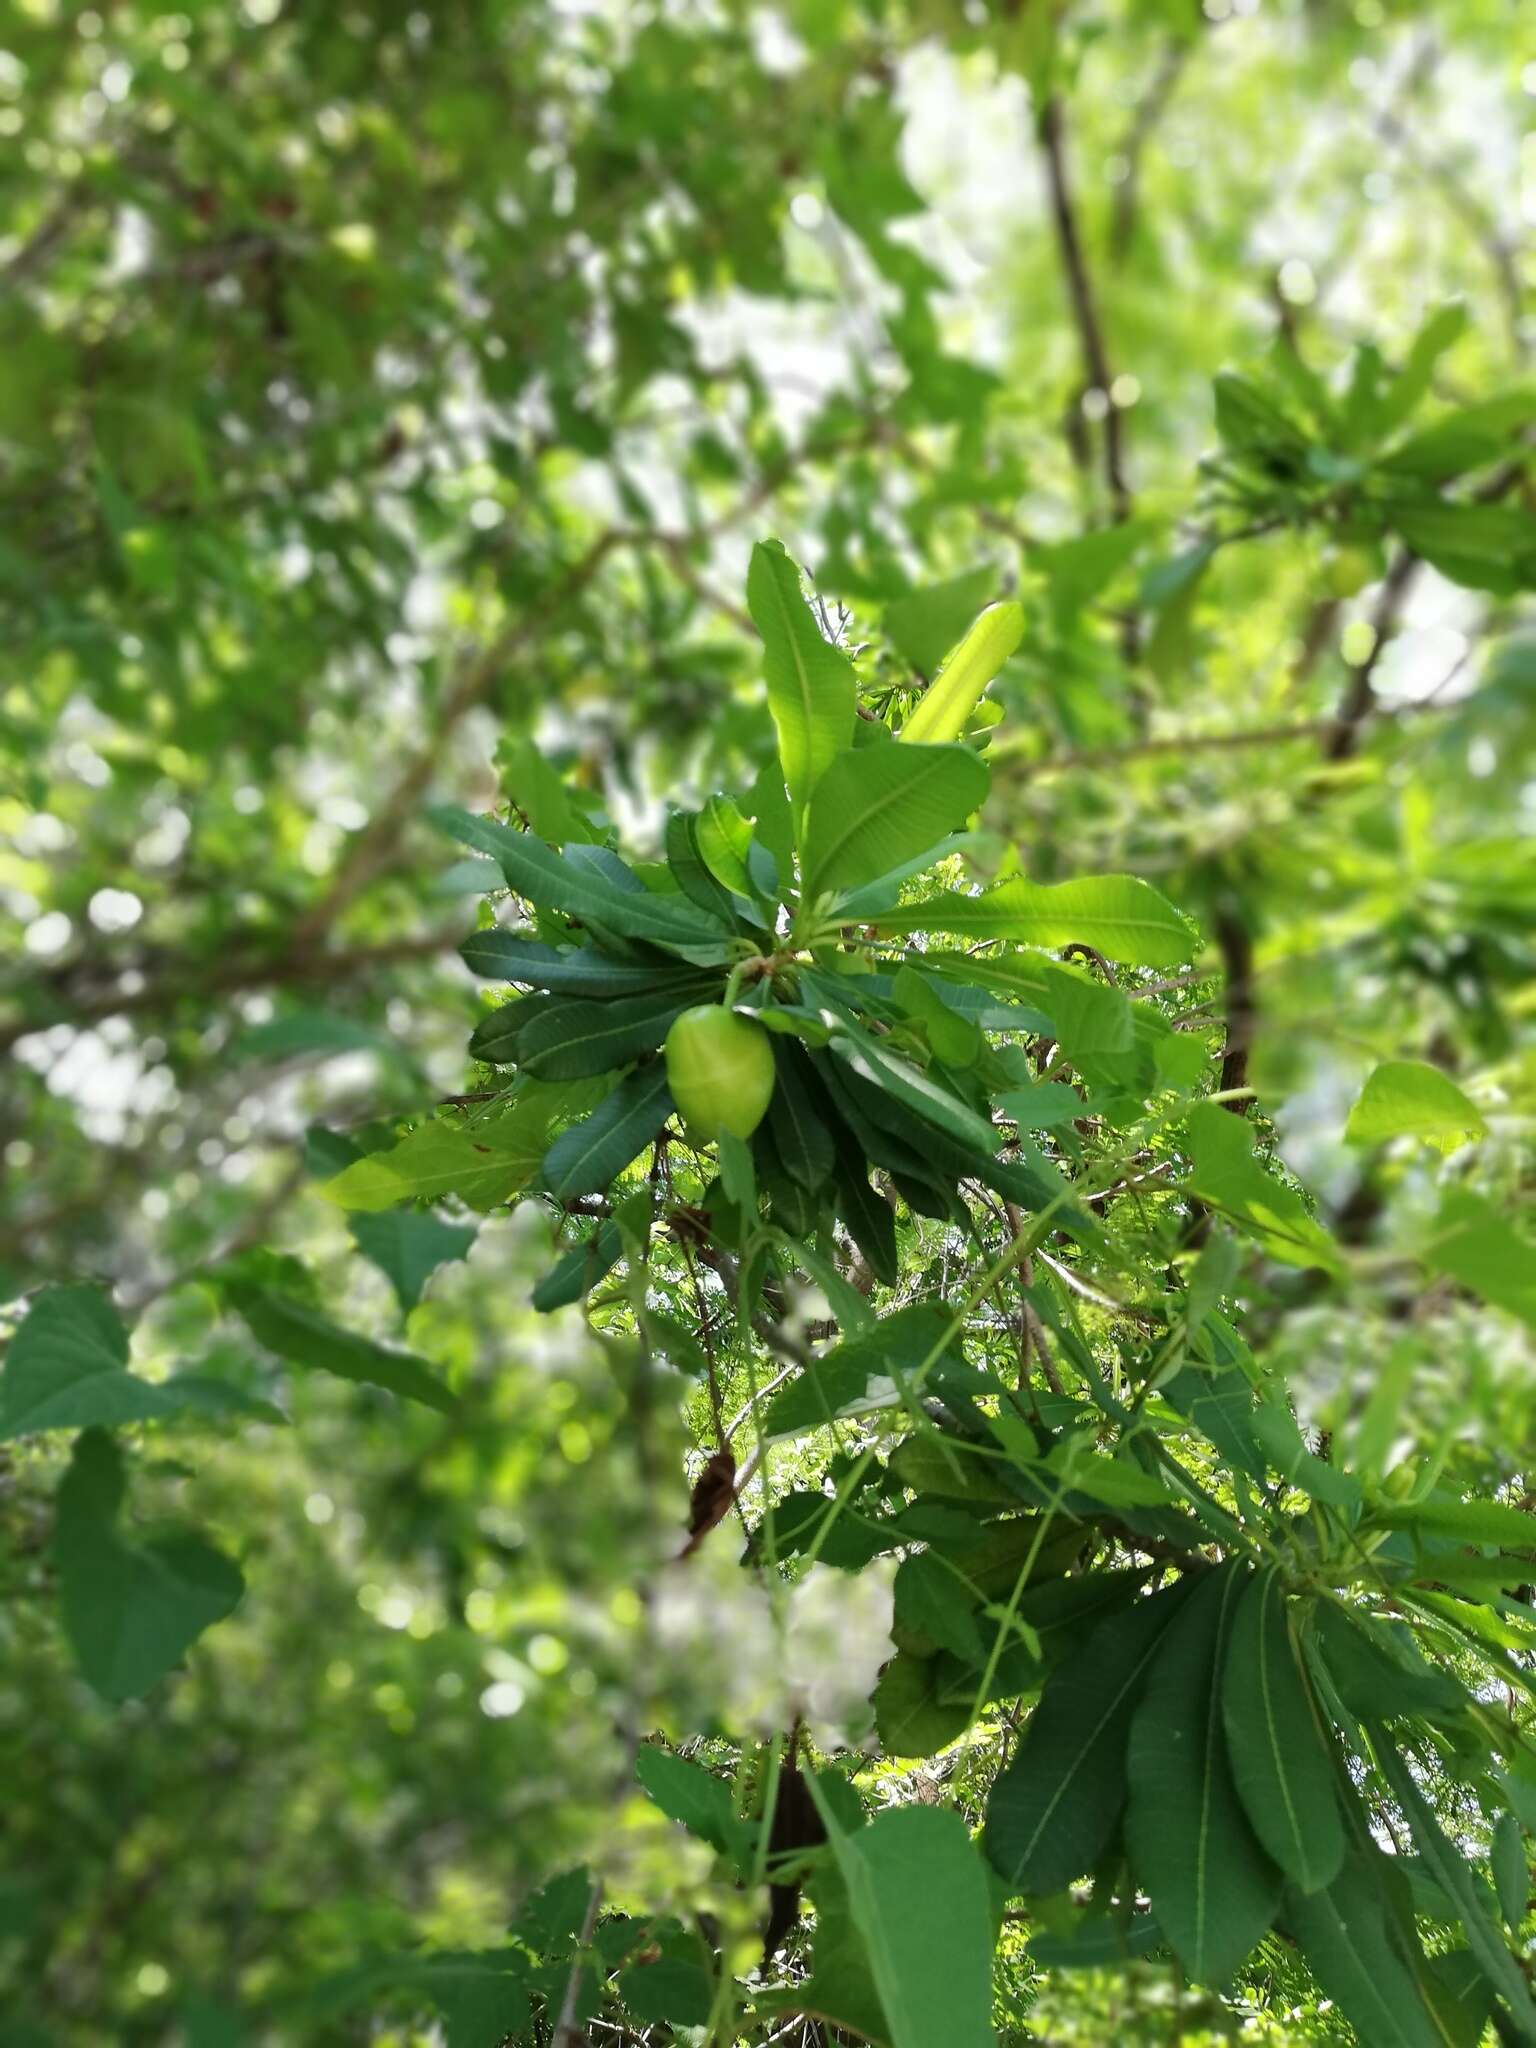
(1478, 1247)
(1282, 1762)
(910, 1717)
(1461, 1521)
(1410, 1099)
(302, 1337)
(946, 705)
(875, 807)
(1224, 1170)
(1212, 1888)
(131, 1612)
(918, 1895)
(1511, 1870)
(1119, 915)
(1054, 1809)
(811, 691)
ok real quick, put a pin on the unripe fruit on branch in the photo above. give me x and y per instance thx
(720, 1071)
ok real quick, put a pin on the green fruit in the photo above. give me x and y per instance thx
(1401, 1481)
(720, 1071)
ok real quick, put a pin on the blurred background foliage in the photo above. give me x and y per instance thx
(389, 396)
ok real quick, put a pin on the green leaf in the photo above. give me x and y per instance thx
(874, 807)
(1409, 1099)
(693, 877)
(1053, 1811)
(566, 970)
(1511, 1870)
(67, 1368)
(686, 1792)
(724, 839)
(580, 1270)
(930, 1602)
(668, 1989)
(1464, 439)
(918, 1896)
(946, 705)
(302, 1337)
(586, 1158)
(871, 1370)
(1477, 1246)
(573, 1041)
(1462, 1521)
(801, 1118)
(867, 1216)
(1212, 1888)
(1445, 1864)
(408, 1247)
(924, 624)
(131, 1612)
(912, 1087)
(1346, 1938)
(1224, 1170)
(1282, 1762)
(811, 691)
(910, 1717)
(1375, 1670)
(1119, 915)
(537, 791)
(580, 888)
(953, 1038)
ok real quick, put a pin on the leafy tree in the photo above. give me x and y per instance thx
(753, 1305)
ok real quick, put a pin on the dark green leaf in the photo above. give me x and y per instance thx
(1054, 1809)
(131, 1611)
(1283, 1762)
(408, 1246)
(302, 1337)
(1212, 1888)
(586, 1158)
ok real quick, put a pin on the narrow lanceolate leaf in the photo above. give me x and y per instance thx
(690, 872)
(583, 889)
(1213, 1889)
(954, 694)
(1445, 1864)
(498, 1037)
(587, 1156)
(811, 690)
(918, 1895)
(571, 1041)
(1282, 1761)
(1346, 1938)
(1054, 1809)
(876, 807)
(296, 1333)
(1115, 914)
(800, 1117)
(868, 1217)
(913, 1088)
(131, 1611)
(564, 970)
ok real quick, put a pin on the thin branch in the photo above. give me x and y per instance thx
(1144, 122)
(1085, 310)
(1359, 700)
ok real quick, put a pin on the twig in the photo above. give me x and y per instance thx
(1085, 311)
(1359, 699)
(1149, 113)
